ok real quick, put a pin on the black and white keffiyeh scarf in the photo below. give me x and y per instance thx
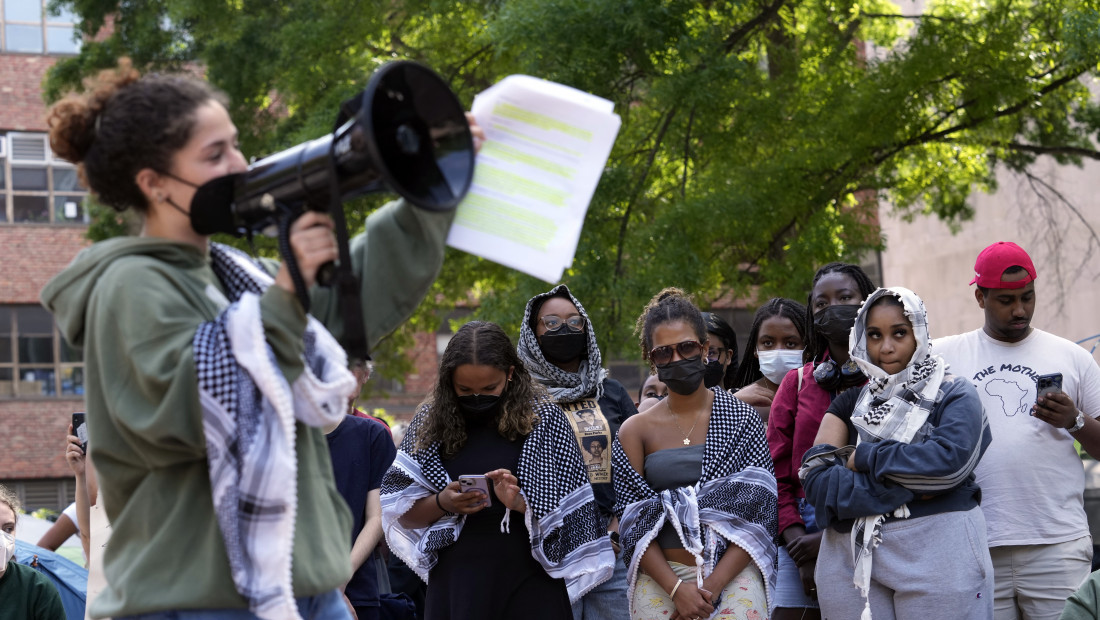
(565, 387)
(561, 517)
(734, 502)
(249, 413)
(890, 407)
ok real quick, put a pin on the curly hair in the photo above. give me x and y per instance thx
(671, 304)
(816, 345)
(482, 344)
(124, 123)
(790, 309)
(8, 497)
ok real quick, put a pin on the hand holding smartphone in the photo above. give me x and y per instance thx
(80, 429)
(1047, 384)
(476, 482)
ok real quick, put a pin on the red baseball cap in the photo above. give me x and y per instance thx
(993, 261)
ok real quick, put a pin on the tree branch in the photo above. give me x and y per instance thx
(640, 188)
(932, 136)
(1094, 238)
(832, 185)
(687, 152)
(467, 60)
(1073, 151)
(913, 17)
(739, 35)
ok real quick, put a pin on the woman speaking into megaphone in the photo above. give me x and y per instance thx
(207, 384)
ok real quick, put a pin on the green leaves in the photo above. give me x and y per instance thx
(758, 136)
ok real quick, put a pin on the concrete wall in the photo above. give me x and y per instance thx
(927, 258)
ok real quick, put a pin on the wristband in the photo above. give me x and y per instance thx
(437, 501)
(679, 582)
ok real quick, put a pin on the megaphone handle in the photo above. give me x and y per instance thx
(354, 339)
(292, 263)
(326, 274)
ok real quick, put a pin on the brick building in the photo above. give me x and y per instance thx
(42, 226)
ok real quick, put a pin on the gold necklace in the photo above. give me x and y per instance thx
(687, 435)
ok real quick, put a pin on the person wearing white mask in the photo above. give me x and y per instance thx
(25, 594)
(836, 293)
(776, 343)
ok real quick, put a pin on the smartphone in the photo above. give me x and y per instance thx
(80, 429)
(1048, 384)
(476, 482)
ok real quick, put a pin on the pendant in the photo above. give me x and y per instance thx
(687, 442)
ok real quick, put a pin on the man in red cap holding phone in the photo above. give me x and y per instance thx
(1031, 476)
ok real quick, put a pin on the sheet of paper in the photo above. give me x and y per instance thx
(546, 147)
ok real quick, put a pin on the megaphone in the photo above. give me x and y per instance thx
(406, 131)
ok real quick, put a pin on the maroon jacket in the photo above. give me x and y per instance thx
(792, 426)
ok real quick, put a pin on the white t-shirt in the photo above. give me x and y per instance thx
(1031, 477)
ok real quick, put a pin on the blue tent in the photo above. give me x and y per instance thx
(71, 580)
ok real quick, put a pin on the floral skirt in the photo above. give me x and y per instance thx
(743, 598)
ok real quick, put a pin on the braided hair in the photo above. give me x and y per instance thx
(816, 345)
(671, 304)
(790, 309)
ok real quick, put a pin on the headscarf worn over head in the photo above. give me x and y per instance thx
(734, 502)
(891, 407)
(565, 387)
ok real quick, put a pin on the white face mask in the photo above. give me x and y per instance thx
(776, 363)
(7, 550)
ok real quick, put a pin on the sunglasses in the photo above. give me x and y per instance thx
(687, 349)
(553, 321)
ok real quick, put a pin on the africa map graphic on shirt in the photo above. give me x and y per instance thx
(1013, 397)
(1011, 385)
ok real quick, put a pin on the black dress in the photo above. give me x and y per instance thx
(486, 573)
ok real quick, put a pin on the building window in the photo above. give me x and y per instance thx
(28, 27)
(35, 361)
(35, 185)
(54, 495)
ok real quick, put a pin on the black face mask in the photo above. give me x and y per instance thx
(715, 373)
(479, 408)
(169, 200)
(835, 323)
(563, 345)
(683, 376)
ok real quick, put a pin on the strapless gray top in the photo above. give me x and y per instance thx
(674, 468)
(671, 469)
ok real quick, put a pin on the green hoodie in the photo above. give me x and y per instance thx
(133, 305)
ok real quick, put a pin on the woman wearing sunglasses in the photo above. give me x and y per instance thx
(695, 492)
(557, 345)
